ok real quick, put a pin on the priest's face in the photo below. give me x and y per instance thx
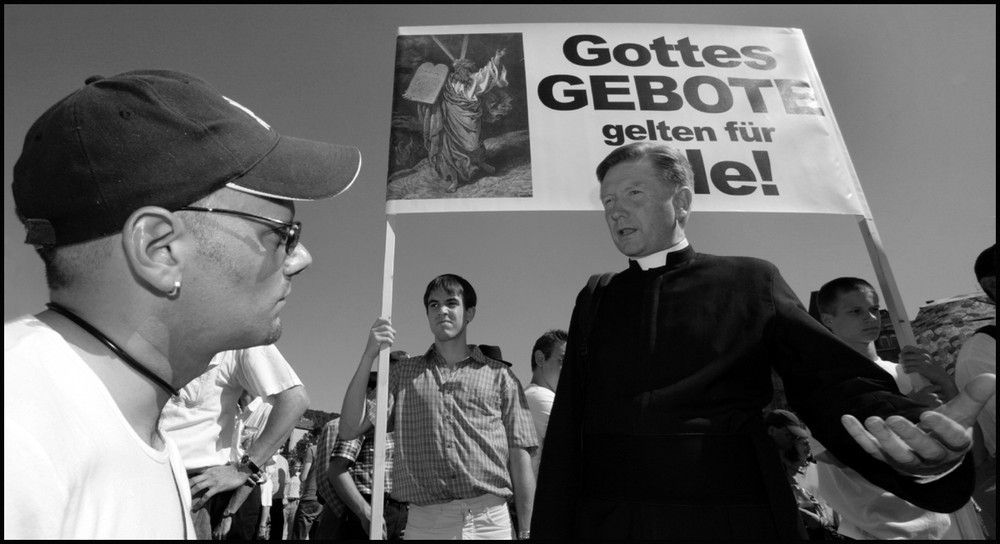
(641, 209)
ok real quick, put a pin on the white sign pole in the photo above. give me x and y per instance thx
(382, 394)
(893, 301)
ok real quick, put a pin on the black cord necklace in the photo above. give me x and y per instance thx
(128, 359)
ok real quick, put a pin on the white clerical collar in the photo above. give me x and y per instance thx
(659, 258)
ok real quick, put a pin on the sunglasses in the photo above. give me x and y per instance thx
(288, 232)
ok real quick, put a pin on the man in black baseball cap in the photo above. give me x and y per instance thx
(164, 213)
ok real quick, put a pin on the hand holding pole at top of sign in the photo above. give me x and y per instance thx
(353, 421)
(379, 336)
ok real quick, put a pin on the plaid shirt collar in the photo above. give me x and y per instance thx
(475, 356)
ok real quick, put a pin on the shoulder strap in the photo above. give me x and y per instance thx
(988, 329)
(591, 305)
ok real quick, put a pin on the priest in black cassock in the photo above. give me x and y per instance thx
(657, 428)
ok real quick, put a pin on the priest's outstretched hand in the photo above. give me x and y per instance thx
(937, 443)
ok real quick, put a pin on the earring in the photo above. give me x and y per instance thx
(176, 290)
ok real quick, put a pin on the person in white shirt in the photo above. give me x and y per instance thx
(849, 307)
(202, 420)
(546, 364)
(163, 212)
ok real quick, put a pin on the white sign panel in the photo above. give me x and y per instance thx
(517, 117)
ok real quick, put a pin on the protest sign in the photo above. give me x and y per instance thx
(526, 112)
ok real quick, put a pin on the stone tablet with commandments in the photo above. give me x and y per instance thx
(426, 83)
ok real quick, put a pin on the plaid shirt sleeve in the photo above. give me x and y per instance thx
(324, 449)
(348, 449)
(516, 415)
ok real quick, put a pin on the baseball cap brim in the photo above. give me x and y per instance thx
(300, 169)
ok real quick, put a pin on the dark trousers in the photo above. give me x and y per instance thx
(277, 518)
(305, 516)
(348, 526)
(393, 512)
(245, 520)
(327, 527)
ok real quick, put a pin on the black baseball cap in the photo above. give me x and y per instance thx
(157, 138)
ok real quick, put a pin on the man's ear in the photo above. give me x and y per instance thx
(682, 203)
(470, 313)
(149, 240)
(539, 357)
(826, 320)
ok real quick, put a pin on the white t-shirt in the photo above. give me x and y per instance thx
(73, 466)
(202, 418)
(249, 424)
(540, 401)
(978, 356)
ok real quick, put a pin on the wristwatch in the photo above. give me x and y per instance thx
(523, 534)
(246, 460)
(255, 472)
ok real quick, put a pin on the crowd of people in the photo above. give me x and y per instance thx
(152, 402)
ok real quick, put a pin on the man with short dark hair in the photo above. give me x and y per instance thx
(849, 307)
(657, 430)
(463, 432)
(163, 211)
(546, 365)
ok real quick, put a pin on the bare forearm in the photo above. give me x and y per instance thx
(353, 413)
(265, 516)
(343, 485)
(353, 420)
(288, 407)
(523, 478)
(238, 498)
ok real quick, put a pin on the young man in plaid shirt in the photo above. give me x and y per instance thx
(463, 432)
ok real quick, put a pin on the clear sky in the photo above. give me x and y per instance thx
(913, 88)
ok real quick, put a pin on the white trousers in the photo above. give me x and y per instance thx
(485, 517)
